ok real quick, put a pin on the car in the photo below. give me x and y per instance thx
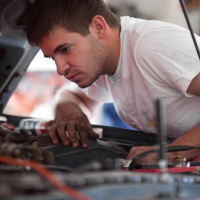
(32, 167)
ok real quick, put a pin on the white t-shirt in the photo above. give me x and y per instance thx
(157, 60)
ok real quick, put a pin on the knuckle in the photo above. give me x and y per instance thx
(71, 123)
(82, 129)
(81, 117)
(53, 127)
(60, 126)
(83, 134)
(52, 133)
(72, 135)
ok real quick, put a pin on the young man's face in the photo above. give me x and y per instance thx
(80, 59)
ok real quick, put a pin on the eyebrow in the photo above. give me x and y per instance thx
(58, 48)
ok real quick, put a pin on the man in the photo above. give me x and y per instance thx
(132, 64)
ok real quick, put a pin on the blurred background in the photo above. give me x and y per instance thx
(34, 96)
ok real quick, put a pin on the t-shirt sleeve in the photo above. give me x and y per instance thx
(168, 56)
(98, 91)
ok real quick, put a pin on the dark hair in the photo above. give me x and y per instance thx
(73, 15)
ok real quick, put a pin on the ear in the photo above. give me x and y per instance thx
(99, 26)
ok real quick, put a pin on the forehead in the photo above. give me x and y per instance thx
(59, 33)
(59, 36)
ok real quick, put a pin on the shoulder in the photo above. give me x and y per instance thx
(136, 30)
(150, 36)
(141, 26)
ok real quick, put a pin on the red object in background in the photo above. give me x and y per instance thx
(171, 170)
(42, 127)
(8, 126)
(35, 88)
(196, 159)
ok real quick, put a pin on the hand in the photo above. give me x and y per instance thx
(153, 157)
(149, 159)
(70, 118)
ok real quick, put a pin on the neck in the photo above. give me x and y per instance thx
(113, 51)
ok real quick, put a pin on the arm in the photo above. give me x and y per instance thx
(194, 87)
(190, 138)
(72, 110)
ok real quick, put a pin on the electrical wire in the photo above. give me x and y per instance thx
(48, 175)
(168, 149)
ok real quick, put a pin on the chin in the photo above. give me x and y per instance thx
(86, 82)
(83, 85)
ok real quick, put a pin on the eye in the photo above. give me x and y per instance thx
(66, 49)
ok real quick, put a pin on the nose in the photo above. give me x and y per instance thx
(61, 65)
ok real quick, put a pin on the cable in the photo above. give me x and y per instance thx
(168, 149)
(59, 168)
(190, 27)
(48, 175)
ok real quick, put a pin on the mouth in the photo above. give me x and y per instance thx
(72, 78)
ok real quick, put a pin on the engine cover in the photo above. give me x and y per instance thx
(98, 150)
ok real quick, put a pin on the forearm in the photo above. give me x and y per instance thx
(65, 96)
(73, 94)
(190, 138)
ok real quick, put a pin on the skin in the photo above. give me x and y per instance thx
(71, 59)
(82, 60)
(190, 138)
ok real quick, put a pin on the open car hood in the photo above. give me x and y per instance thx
(15, 52)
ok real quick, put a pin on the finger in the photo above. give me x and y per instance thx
(83, 134)
(91, 133)
(62, 133)
(135, 151)
(53, 134)
(131, 154)
(81, 123)
(51, 122)
(71, 129)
